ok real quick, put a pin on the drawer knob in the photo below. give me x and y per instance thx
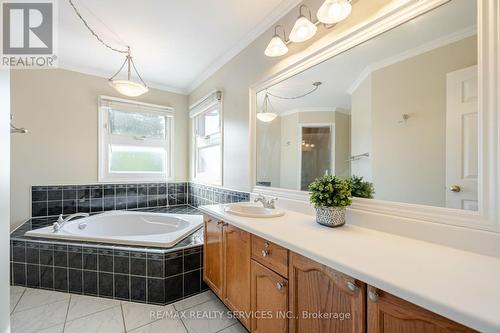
(265, 252)
(280, 285)
(373, 296)
(352, 286)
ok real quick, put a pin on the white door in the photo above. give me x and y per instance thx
(462, 139)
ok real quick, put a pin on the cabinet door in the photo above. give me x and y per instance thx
(269, 295)
(213, 255)
(237, 270)
(390, 314)
(324, 300)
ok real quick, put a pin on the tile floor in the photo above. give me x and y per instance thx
(36, 310)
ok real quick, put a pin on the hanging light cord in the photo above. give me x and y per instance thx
(128, 59)
(95, 34)
(315, 84)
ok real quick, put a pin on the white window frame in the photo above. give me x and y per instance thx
(105, 176)
(204, 105)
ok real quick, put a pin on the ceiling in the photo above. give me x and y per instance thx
(175, 44)
(451, 22)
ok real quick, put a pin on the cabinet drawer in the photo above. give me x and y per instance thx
(270, 255)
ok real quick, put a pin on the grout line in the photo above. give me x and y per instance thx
(192, 306)
(123, 317)
(67, 311)
(15, 306)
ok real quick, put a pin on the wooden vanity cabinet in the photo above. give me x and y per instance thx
(237, 247)
(269, 296)
(390, 314)
(287, 292)
(226, 263)
(317, 289)
(213, 255)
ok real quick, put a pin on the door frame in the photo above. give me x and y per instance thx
(299, 147)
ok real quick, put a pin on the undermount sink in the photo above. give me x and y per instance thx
(253, 210)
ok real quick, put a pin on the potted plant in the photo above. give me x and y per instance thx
(330, 195)
(360, 188)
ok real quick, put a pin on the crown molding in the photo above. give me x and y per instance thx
(106, 75)
(277, 13)
(313, 109)
(432, 45)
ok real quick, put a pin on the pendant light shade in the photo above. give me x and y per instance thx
(334, 11)
(264, 115)
(128, 87)
(125, 87)
(303, 29)
(277, 46)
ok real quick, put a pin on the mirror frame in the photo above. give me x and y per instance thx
(487, 216)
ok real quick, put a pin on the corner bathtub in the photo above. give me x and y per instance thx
(127, 228)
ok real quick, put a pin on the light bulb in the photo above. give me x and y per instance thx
(128, 88)
(276, 47)
(334, 11)
(302, 30)
(266, 116)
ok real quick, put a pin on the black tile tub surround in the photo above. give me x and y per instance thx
(131, 273)
(95, 198)
(199, 195)
(70, 199)
(145, 276)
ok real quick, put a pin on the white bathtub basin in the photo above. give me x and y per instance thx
(125, 227)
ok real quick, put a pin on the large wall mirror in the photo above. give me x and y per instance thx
(399, 110)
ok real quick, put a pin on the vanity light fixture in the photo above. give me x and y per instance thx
(264, 115)
(303, 29)
(334, 11)
(330, 12)
(277, 46)
(125, 87)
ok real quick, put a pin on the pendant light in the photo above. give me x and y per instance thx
(128, 87)
(264, 115)
(334, 11)
(125, 87)
(303, 29)
(277, 46)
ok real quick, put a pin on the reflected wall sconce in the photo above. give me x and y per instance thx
(330, 13)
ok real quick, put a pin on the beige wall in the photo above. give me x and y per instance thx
(361, 130)
(408, 160)
(269, 151)
(278, 146)
(251, 66)
(59, 108)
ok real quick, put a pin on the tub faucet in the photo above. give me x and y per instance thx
(61, 221)
(267, 203)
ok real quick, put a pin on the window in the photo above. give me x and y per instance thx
(207, 139)
(135, 141)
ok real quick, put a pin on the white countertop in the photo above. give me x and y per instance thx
(459, 285)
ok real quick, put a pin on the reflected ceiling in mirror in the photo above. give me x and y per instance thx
(399, 110)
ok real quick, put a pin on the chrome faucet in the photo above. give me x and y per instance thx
(267, 203)
(61, 221)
